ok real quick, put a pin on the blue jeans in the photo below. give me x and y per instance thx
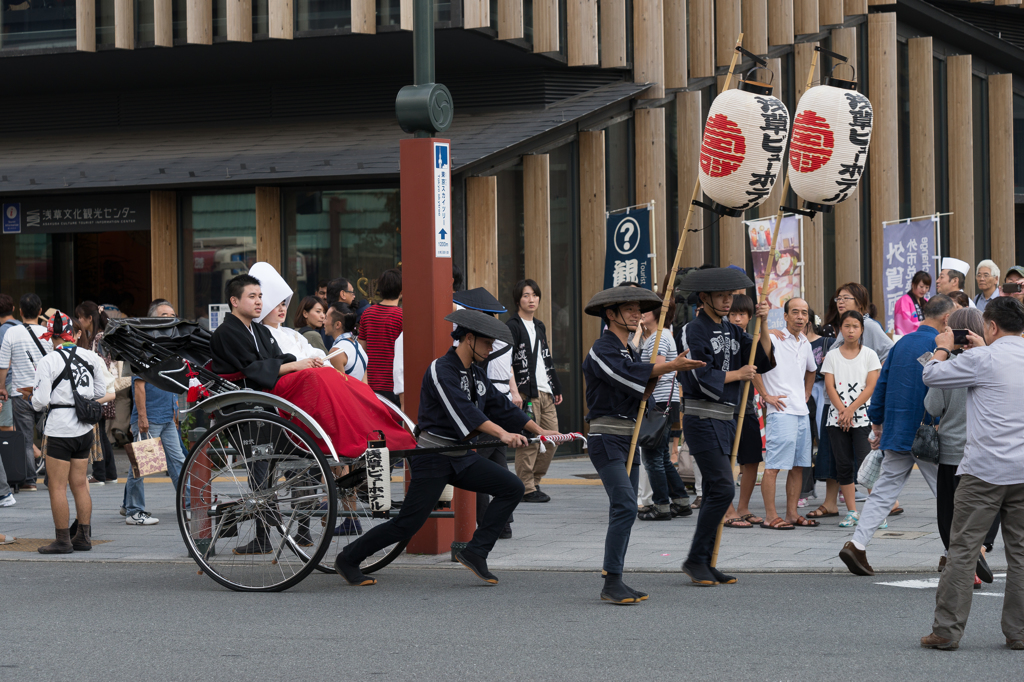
(134, 490)
(665, 481)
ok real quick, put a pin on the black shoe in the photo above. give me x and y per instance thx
(478, 565)
(983, 571)
(255, 546)
(680, 510)
(640, 596)
(700, 574)
(351, 573)
(349, 527)
(506, 532)
(616, 591)
(536, 496)
(722, 577)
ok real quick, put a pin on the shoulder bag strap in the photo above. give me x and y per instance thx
(35, 339)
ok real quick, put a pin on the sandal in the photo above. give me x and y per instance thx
(778, 523)
(821, 513)
(7, 539)
(896, 512)
(696, 503)
(652, 514)
(805, 523)
(752, 518)
(737, 523)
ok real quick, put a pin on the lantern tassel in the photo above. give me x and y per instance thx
(769, 267)
(675, 270)
(196, 390)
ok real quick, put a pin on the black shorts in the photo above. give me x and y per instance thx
(750, 451)
(67, 449)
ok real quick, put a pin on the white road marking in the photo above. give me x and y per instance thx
(932, 583)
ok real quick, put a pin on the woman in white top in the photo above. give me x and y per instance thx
(850, 371)
(349, 356)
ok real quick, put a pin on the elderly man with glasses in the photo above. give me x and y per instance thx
(987, 279)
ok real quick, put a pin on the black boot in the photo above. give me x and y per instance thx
(616, 591)
(351, 572)
(62, 545)
(700, 574)
(82, 542)
(477, 564)
(640, 596)
(722, 577)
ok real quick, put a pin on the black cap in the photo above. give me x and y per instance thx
(716, 279)
(479, 324)
(479, 299)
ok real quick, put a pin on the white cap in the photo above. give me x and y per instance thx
(272, 284)
(955, 264)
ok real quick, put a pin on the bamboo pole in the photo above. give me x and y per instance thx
(757, 324)
(675, 269)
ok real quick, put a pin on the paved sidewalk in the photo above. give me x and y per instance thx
(564, 534)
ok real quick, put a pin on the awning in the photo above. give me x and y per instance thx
(277, 152)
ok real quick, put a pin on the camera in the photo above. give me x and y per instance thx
(1011, 288)
(960, 337)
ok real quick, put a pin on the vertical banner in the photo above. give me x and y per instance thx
(908, 247)
(787, 276)
(442, 201)
(628, 251)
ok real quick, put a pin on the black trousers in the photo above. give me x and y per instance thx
(498, 456)
(105, 469)
(483, 476)
(945, 486)
(718, 489)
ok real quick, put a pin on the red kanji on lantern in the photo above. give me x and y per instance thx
(812, 143)
(723, 147)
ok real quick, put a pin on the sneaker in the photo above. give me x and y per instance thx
(860, 497)
(856, 559)
(8, 500)
(536, 496)
(802, 502)
(851, 520)
(885, 524)
(141, 518)
(506, 532)
(29, 488)
(123, 512)
(254, 546)
(94, 481)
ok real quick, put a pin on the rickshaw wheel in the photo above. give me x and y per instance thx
(251, 497)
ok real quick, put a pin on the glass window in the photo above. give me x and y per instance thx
(178, 20)
(903, 125)
(511, 263)
(219, 242)
(28, 24)
(941, 153)
(261, 18)
(1018, 144)
(564, 326)
(389, 13)
(320, 15)
(220, 18)
(145, 31)
(104, 22)
(26, 266)
(353, 233)
(982, 228)
(620, 190)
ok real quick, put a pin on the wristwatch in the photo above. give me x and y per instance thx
(948, 352)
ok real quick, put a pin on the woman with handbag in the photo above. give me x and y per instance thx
(92, 322)
(850, 371)
(950, 407)
(670, 498)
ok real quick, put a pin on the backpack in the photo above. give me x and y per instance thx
(87, 410)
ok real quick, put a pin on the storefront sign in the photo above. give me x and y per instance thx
(628, 252)
(217, 313)
(787, 272)
(442, 201)
(12, 218)
(908, 247)
(80, 213)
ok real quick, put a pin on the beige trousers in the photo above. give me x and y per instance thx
(531, 465)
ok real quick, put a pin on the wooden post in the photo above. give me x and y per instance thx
(884, 158)
(163, 26)
(650, 176)
(268, 226)
(805, 17)
(405, 10)
(728, 22)
(676, 64)
(239, 20)
(649, 46)
(812, 249)
(482, 233)
(537, 227)
(198, 22)
(510, 19)
(922, 126)
(85, 25)
(959, 90)
(771, 205)
(1000, 146)
(830, 12)
(581, 29)
(163, 245)
(755, 28)
(545, 26)
(689, 125)
(855, 7)
(593, 203)
(282, 19)
(364, 15)
(847, 246)
(780, 22)
(124, 24)
(702, 38)
(613, 34)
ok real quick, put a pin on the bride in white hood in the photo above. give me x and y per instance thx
(276, 297)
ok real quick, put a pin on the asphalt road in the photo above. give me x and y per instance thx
(164, 622)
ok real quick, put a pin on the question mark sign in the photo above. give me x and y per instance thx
(628, 228)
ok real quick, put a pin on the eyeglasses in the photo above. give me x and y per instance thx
(840, 299)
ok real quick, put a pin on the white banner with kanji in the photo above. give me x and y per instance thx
(908, 248)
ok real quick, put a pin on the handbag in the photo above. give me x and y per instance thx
(926, 442)
(655, 426)
(146, 455)
(870, 469)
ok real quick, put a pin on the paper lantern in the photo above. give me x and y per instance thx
(829, 149)
(741, 152)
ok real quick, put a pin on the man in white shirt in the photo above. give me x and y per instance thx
(986, 276)
(68, 440)
(20, 353)
(787, 388)
(991, 471)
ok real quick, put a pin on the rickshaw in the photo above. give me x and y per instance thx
(257, 468)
